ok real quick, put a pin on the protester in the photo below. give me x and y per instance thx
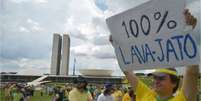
(80, 92)
(26, 93)
(129, 96)
(117, 93)
(97, 92)
(8, 89)
(107, 93)
(67, 91)
(91, 89)
(61, 94)
(166, 81)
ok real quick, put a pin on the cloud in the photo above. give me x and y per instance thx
(14, 46)
(27, 28)
(33, 1)
(85, 27)
(28, 25)
(34, 66)
(23, 29)
(97, 51)
(26, 66)
(103, 52)
(101, 4)
(77, 34)
(101, 40)
(82, 50)
(117, 6)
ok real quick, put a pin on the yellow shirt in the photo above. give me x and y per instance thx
(76, 95)
(126, 97)
(117, 95)
(143, 93)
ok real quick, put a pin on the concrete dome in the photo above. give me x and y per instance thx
(96, 72)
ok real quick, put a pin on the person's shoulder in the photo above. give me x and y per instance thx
(120, 92)
(178, 92)
(179, 96)
(73, 90)
(141, 85)
(100, 97)
(126, 94)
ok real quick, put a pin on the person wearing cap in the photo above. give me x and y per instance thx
(80, 92)
(166, 81)
(107, 93)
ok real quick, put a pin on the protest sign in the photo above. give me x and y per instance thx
(152, 35)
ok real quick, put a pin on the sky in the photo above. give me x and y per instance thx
(27, 28)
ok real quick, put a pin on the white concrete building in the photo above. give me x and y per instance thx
(56, 55)
(65, 55)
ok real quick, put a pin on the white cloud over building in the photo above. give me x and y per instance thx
(28, 25)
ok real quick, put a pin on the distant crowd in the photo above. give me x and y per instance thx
(80, 90)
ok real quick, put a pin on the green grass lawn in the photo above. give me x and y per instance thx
(2, 96)
(36, 97)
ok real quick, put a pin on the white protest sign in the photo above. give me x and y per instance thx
(151, 35)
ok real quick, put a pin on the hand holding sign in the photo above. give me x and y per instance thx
(151, 36)
(189, 19)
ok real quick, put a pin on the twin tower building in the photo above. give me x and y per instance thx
(60, 55)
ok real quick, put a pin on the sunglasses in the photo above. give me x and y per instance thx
(159, 78)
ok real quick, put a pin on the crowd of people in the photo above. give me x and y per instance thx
(104, 92)
(12, 89)
(79, 90)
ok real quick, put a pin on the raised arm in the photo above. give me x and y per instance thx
(190, 20)
(189, 85)
(132, 78)
(190, 80)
